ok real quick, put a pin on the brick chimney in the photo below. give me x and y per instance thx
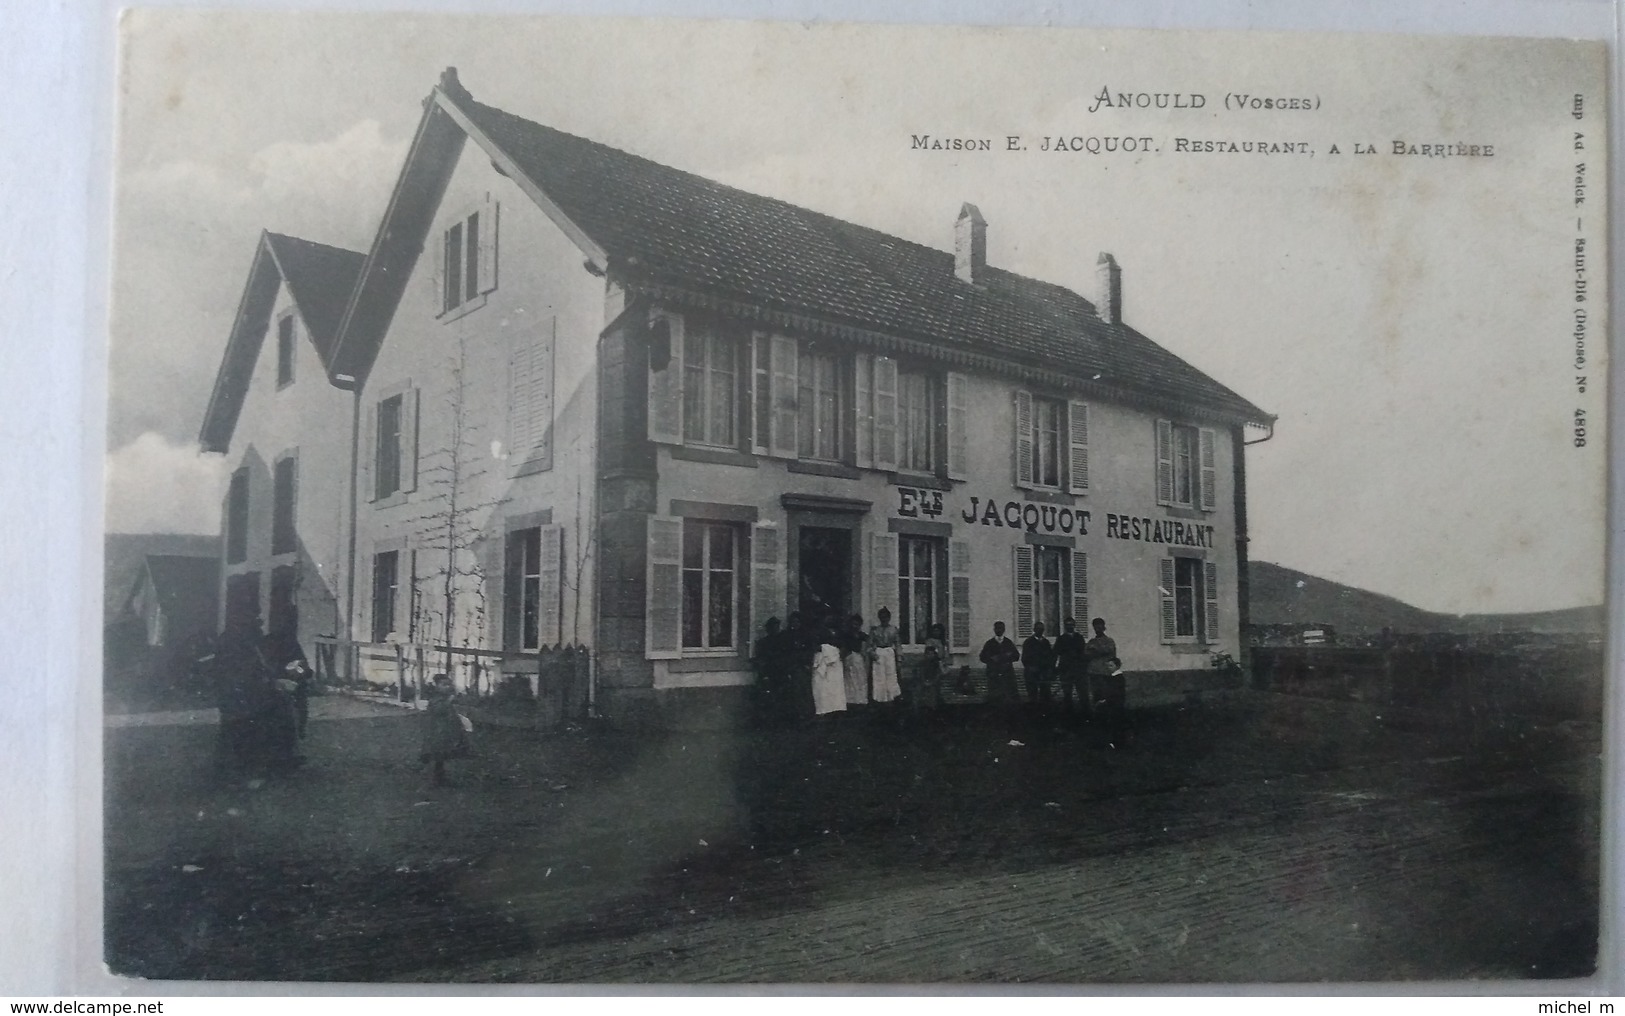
(1108, 289)
(970, 245)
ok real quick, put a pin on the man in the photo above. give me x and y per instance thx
(999, 656)
(1071, 661)
(1037, 666)
(1106, 690)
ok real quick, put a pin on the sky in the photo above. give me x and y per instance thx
(1408, 319)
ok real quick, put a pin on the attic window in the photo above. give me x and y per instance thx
(468, 266)
(284, 351)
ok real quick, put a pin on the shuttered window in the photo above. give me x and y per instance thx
(710, 380)
(1052, 591)
(467, 262)
(1189, 590)
(1187, 475)
(394, 424)
(1048, 416)
(284, 479)
(535, 557)
(821, 404)
(711, 586)
(385, 586)
(917, 433)
(1025, 600)
(918, 575)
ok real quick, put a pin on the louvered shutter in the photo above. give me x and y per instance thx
(959, 622)
(666, 387)
(1024, 439)
(761, 393)
(1077, 465)
(550, 598)
(1210, 474)
(1210, 615)
(863, 412)
(766, 575)
(488, 244)
(1080, 588)
(408, 444)
(530, 402)
(1025, 598)
(958, 402)
(885, 413)
(663, 617)
(883, 573)
(1166, 592)
(369, 455)
(784, 365)
(1165, 462)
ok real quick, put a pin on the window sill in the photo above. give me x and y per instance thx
(715, 456)
(1176, 511)
(280, 385)
(1189, 648)
(701, 662)
(446, 317)
(526, 468)
(836, 469)
(397, 498)
(925, 481)
(1048, 495)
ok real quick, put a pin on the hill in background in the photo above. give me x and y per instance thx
(1286, 596)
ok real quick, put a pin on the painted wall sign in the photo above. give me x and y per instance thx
(1149, 530)
(920, 502)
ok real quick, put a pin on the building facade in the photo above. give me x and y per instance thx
(600, 401)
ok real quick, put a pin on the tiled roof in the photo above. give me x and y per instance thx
(672, 228)
(320, 278)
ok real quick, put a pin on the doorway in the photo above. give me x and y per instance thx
(824, 582)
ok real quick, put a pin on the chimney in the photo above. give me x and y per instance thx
(970, 245)
(1108, 289)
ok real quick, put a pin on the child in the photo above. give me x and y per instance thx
(443, 737)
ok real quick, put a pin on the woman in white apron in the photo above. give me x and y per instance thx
(883, 651)
(828, 678)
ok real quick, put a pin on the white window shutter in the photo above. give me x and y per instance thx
(958, 402)
(1026, 601)
(488, 244)
(959, 621)
(863, 414)
(663, 589)
(785, 364)
(1077, 468)
(883, 574)
(1165, 462)
(1210, 473)
(1210, 613)
(1024, 438)
(550, 599)
(766, 576)
(885, 413)
(1080, 589)
(409, 440)
(369, 455)
(666, 388)
(1165, 591)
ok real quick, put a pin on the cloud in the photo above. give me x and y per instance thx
(158, 486)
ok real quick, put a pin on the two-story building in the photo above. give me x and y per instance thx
(287, 434)
(608, 402)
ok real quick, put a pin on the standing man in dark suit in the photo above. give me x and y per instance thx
(1038, 667)
(999, 656)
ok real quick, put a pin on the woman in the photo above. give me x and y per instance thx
(443, 737)
(855, 660)
(936, 664)
(828, 681)
(883, 651)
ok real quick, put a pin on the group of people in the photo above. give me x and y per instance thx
(262, 688)
(829, 666)
(1088, 671)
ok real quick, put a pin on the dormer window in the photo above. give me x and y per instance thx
(284, 350)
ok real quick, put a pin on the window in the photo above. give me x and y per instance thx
(237, 518)
(385, 583)
(284, 534)
(388, 452)
(1050, 587)
(1190, 600)
(709, 388)
(533, 602)
(821, 406)
(468, 258)
(917, 571)
(1046, 450)
(284, 351)
(917, 434)
(1186, 473)
(710, 584)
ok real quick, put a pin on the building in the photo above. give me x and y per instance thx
(607, 402)
(288, 434)
(175, 599)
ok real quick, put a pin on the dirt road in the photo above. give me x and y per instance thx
(1262, 839)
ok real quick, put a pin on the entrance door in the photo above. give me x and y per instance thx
(825, 583)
